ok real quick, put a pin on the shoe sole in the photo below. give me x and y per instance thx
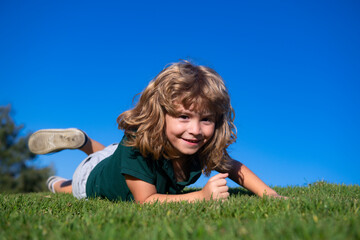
(53, 140)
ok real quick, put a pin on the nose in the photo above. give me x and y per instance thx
(195, 127)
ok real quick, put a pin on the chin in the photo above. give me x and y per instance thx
(190, 152)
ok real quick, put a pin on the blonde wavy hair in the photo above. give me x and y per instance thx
(197, 87)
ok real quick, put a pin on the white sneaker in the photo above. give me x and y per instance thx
(54, 140)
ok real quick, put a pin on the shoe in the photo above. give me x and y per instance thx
(54, 140)
(52, 180)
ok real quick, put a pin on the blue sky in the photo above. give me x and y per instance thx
(292, 69)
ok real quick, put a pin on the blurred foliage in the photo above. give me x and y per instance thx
(17, 170)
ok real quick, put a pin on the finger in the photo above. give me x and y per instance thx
(220, 182)
(224, 199)
(223, 189)
(219, 176)
(224, 175)
(225, 195)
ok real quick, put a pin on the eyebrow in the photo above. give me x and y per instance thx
(205, 114)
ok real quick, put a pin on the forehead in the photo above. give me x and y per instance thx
(193, 108)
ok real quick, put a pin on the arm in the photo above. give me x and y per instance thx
(242, 175)
(144, 192)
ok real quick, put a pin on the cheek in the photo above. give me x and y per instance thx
(167, 126)
(168, 132)
(210, 131)
(171, 128)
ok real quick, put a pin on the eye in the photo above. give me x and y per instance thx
(182, 116)
(207, 119)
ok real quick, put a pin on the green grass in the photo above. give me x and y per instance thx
(317, 211)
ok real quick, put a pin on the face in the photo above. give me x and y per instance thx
(188, 131)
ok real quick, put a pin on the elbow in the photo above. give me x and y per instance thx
(141, 200)
(148, 199)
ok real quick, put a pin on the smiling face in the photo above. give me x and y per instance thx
(189, 130)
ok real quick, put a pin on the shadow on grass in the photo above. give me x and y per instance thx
(240, 191)
(232, 191)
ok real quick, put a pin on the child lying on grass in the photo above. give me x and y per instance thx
(179, 129)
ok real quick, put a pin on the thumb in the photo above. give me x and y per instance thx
(220, 176)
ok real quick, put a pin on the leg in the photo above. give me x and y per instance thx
(91, 146)
(59, 185)
(54, 140)
(63, 186)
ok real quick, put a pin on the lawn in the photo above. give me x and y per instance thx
(317, 211)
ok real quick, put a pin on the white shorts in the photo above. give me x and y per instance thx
(83, 171)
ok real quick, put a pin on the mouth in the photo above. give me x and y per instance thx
(193, 141)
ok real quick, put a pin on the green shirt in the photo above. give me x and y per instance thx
(107, 179)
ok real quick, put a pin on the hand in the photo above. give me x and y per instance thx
(216, 187)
